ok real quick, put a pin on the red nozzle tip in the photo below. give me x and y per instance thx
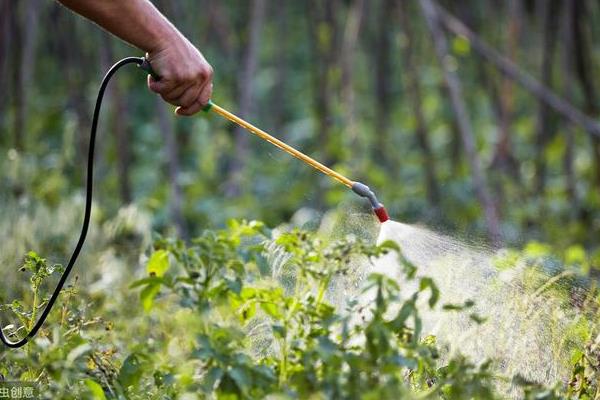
(381, 213)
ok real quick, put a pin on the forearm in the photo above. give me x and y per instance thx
(137, 22)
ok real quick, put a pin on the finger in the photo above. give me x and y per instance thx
(177, 91)
(189, 97)
(191, 110)
(206, 94)
(172, 102)
(161, 86)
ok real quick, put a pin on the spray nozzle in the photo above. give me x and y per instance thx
(364, 191)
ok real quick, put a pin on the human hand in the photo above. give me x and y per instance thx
(185, 75)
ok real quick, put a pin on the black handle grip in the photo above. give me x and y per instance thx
(145, 65)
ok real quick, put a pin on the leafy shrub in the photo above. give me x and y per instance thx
(246, 312)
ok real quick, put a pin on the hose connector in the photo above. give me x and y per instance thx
(364, 191)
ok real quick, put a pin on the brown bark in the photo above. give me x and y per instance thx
(513, 72)
(246, 95)
(480, 184)
(414, 93)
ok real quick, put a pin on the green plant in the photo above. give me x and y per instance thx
(308, 347)
(248, 313)
(40, 271)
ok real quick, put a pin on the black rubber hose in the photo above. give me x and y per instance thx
(88, 207)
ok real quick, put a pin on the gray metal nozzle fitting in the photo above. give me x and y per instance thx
(364, 191)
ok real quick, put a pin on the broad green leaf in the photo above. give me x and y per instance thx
(158, 263)
(132, 370)
(148, 294)
(271, 309)
(95, 389)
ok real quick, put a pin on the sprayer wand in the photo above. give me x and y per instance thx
(357, 187)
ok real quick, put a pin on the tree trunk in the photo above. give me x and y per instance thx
(568, 84)
(24, 73)
(323, 37)
(6, 17)
(279, 91)
(118, 124)
(382, 70)
(543, 123)
(124, 156)
(69, 49)
(582, 50)
(348, 53)
(464, 124)
(246, 95)
(413, 85)
(219, 29)
(165, 122)
(503, 98)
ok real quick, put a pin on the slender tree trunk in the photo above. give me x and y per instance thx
(17, 80)
(568, 84)
(69, 49)
(382, 74)
(279, 92)
(165, 122)
(219, 28)
(414, 92)
(323, 37)
(124, 156)
(118, 124)
(455, 145)
(458, 105)
(503, 98)
(348, 54)
(24, 73)
(582, 50)
(6, 14)
(246, 95)
(543, 123)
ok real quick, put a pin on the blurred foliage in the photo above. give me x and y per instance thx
(272, 186)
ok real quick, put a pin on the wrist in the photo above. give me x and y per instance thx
(166, 38)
